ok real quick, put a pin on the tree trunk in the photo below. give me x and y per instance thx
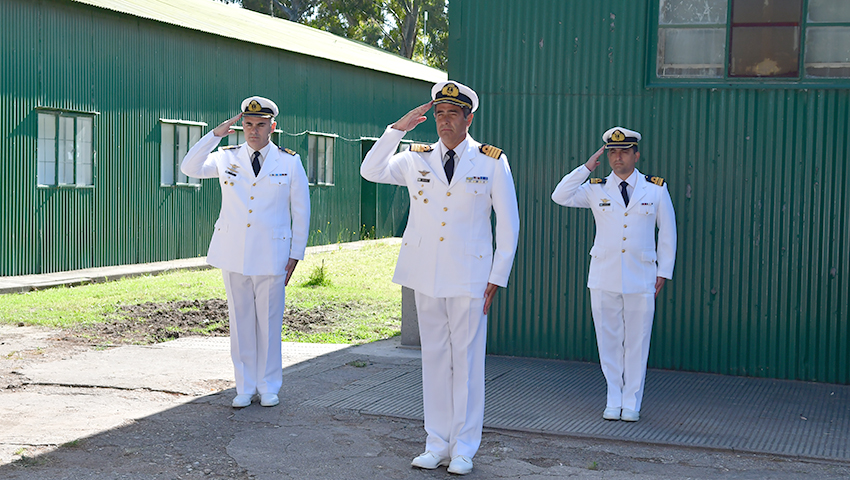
(408, 27)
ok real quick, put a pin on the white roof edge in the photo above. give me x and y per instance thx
(232, 21)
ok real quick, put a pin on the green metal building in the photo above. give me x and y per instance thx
(99, 100)
(744, 109)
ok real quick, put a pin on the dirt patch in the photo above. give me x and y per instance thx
(150, 323)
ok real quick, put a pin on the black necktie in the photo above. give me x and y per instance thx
(625, 192)
(450, 165)
(255, 163)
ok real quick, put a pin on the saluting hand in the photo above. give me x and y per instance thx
(593, 161)
(224, 129)
(413, 118)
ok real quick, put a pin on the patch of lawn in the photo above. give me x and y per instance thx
(354, 302)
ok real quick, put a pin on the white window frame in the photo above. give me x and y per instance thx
(320, 158)
(65, 155)
(176, 138)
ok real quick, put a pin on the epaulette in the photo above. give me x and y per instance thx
(291, 152)
(490, 151)
(420, 147)
(598, 180)
(656, 180)
(229, 147)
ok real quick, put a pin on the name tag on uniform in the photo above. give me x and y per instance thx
(605, 203)
(232, 174)
(278, 174)
(424, 180)
(476, 179)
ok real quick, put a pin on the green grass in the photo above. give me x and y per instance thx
(356, 293)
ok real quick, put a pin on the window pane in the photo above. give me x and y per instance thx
(764, 52)
(166, 155)
(182, 147)
(691, 52)
(767, 11)
(194, 136)
(828, 51)
(320, 156)
(311, 158)
(84, 151)
(692, 11)
(329, 161)
(829, 11)
(66, 150)
(46, 149)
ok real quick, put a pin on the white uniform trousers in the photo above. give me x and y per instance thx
(453, 334)
(623, 324)
(255, 306)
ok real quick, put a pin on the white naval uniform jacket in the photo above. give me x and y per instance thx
(264, 220)
(624, 254)
(447, 248)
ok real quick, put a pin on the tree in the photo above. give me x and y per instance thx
(393, 25)
(293, 10)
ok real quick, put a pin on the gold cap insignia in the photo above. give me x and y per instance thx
(450, 90)
(618, 136)
(254, 106)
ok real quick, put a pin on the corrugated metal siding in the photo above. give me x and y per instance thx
(759, 180)
(133, 72)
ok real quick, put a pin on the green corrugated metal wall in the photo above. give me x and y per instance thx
(759, 179)
(133, 72)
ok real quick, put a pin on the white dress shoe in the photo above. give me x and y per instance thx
(429, 461)
(461, 465)
(629, 415)
(269, 399)
(611, 413)
(242, 400)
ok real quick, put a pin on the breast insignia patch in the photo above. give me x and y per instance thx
(490, 151)
(291, 152)
(230, 147)
(420, 147)
(594, 181)
(656, 180)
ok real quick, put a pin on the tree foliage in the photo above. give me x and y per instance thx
(398, 26)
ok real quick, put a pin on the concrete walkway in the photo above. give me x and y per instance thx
(163, 411)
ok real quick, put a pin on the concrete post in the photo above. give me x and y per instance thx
(409, 319)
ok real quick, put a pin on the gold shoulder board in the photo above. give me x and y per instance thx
(656, 180)
(291, 152)
(420, 147)
(229, 147)
(491, 151)
(597, 180)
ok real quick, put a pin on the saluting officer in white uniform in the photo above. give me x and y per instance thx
(447, 258)
(259, 236)
(627, 269)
